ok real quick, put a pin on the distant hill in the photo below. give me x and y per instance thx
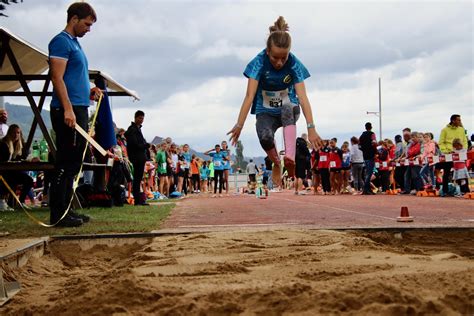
(23, 116)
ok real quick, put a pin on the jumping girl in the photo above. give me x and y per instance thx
(275, 92)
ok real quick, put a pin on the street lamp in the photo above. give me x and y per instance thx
(379, 113)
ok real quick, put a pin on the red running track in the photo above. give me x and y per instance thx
(323, 212)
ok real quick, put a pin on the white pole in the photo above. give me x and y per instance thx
(380, 109)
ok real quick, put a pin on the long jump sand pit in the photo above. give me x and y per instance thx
(254, 272)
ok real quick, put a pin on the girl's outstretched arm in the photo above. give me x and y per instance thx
(244, 111)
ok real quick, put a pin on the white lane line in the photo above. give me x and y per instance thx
(236, 225)
(343, 210)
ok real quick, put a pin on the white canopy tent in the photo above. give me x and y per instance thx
(21, 62)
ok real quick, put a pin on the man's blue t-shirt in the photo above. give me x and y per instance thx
(76, 75)
(218, 160)
(275, 87)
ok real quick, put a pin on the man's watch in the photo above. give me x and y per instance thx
(310, 125)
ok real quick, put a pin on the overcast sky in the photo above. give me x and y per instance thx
(185, 59)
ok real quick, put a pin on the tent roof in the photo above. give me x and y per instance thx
(33, 61)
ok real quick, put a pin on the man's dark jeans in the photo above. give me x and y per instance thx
(70, 147)
(369, 170)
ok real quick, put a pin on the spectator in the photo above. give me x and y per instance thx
(357, 165)
(204, 174)
(11, 149)
(345, 167)
(461, 175)
(368, 144)
(3, 132)
(195, 174)
(137, 147)
(162, 166)
(427, 172)
(301, 160)
(335, 165)
(252, 171)
(217, 159)
(412, 173)
(3, 123)
(323, 166)
(452, 131)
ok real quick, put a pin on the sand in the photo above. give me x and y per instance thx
(291, 272)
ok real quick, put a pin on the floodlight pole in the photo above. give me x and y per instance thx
(379, 113)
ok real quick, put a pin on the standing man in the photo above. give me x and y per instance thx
(453, 130)
(252, 170)
(137, 147)
(3, 122)
(368, 145)
(69, 106)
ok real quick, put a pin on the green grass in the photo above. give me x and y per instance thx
(124, 219)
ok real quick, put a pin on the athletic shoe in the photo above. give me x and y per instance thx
(85, 218)
(276, 190)
(69, 221)
(302, 193)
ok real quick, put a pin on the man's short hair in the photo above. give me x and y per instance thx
(407, 130)
(82, 10)
(139, 113)
(368, 126)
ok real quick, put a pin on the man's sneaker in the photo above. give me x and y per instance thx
(85, 218)
(69, 221)
(6, 208)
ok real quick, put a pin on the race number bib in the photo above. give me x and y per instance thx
(275, 99)
(163, 165)
(217, 163)
(323, 158)
(384, 164)
(332, 164)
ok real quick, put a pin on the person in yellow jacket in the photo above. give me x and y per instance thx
(453, 130)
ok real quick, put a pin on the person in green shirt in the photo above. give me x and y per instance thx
(211, 175)
(161, 162)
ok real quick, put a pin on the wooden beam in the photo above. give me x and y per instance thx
(28, 95)
(34, 123)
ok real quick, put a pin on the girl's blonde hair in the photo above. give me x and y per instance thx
(279, 35)
(14, 147)
(457, 141)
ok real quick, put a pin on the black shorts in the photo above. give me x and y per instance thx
(346, 168)
(252, 178)
(300, 171)
(336, 170)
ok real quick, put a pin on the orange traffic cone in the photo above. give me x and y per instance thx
(404, 216)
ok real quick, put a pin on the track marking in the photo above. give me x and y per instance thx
(341, 209)
(236, 225)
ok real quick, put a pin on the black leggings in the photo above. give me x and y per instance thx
(218, 174)
(325, 179)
